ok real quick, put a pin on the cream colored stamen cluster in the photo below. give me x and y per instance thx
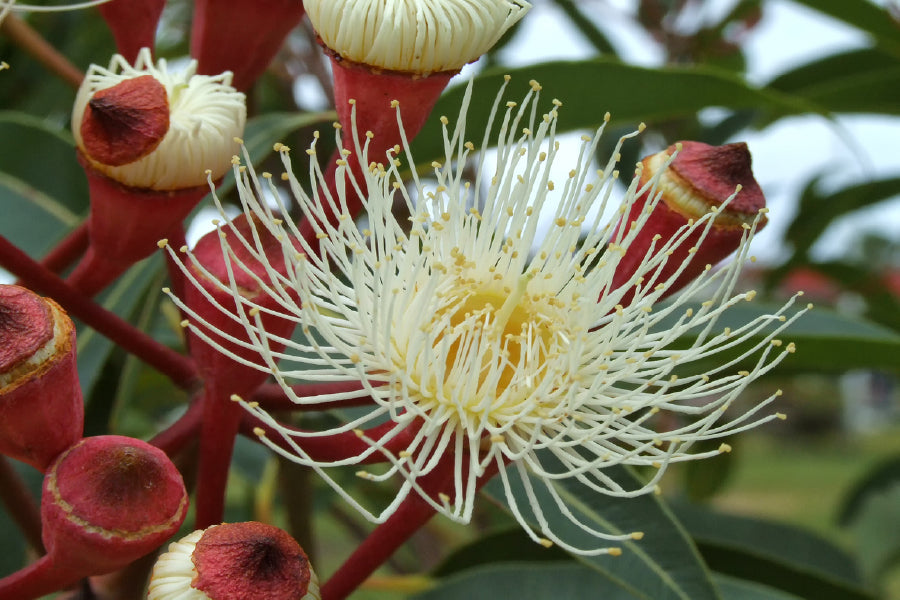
(174, 573)
(416, 36)
(493, 343)
(205, 115)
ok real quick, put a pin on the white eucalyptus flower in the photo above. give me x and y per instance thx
(487, 344)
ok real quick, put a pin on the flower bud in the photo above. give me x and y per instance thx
(133, 24)
(701, 179)
(218, 258)
(41, 411)
(205, 115)
(149, 140)
(234, 561)
(385, 51)
(107, 501)
(260, 25)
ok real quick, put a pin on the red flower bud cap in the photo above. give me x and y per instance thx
(109, 500)
(125, 122)
(419, 36)
(41, 411)
(234, 561)
(137, 137)
(703, 177)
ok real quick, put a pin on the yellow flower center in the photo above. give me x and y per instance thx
(497, 343)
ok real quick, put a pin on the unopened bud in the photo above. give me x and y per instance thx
(107, 501)
(205, 114)
(232, 561)
(41, 411)
(701, 180)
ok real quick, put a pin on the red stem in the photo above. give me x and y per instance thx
(38, 579)
(94, 272)
(335, 447)
(20, 504)
(218, 429)
(178, 368)
(176, 437)
(67, 250)
(387, 537)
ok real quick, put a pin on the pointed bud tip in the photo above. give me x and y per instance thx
(716, 172)
(125, 122)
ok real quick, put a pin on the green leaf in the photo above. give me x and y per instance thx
(879, 478)
(773, 554)
(862, 14)
(663, 565)
(590, 88)
(818, 210)
(43, 191)
(123, 298)
(529, 582)
(876, 529)
(510, 545)
(733, 588)
(826, 341)
(857, 81)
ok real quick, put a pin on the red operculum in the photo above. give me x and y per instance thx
(125, 122)
(701, 178)
(250, 560)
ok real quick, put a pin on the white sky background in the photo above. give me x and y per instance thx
(785, 155)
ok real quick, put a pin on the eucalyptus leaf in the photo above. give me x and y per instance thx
(825, 340)
(879, 478)
(529, 582)
(862, 14)
(773, 554)
(663, 565)
(733, 588)
(588, 89)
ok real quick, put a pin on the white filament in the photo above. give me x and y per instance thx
(498, 344)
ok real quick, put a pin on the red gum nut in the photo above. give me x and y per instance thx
(41, 411)
(250, 560)
(260, 25)
(701, 177)
(133, 24)
(107, 501)
(125, 122)
(228, 375)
